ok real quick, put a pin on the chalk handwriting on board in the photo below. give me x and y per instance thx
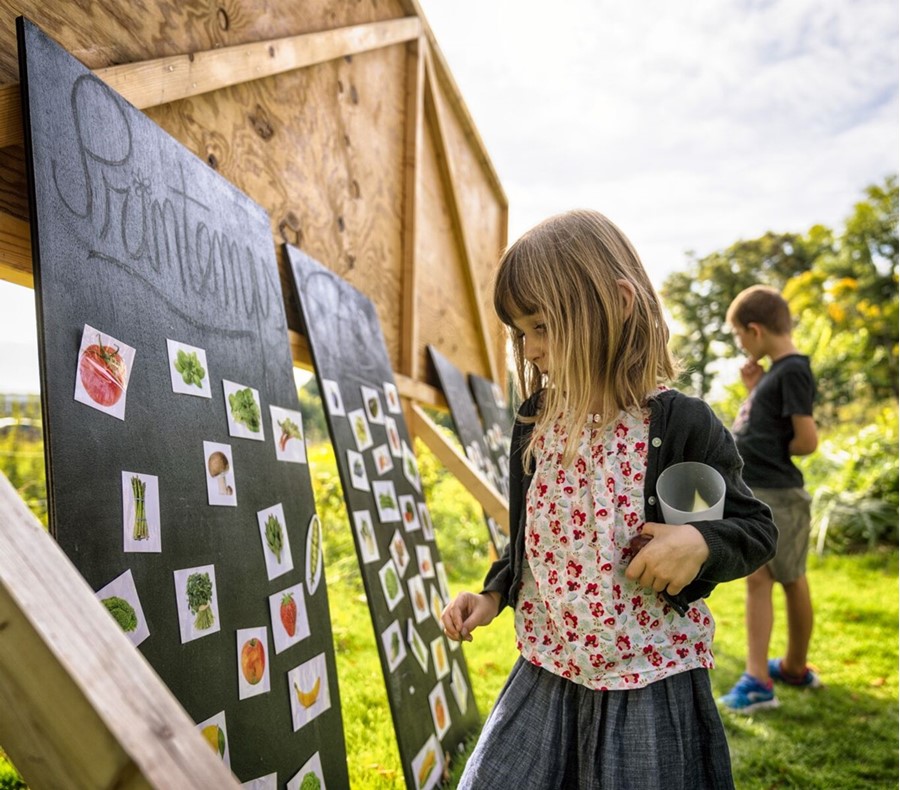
(156, 232)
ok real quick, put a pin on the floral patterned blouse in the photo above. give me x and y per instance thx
(577, 615)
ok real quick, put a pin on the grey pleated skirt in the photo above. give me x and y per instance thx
(546, 732)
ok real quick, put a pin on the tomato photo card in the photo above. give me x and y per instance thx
(287, 428)
(141, 531)
(104, 367)
(409, 512)
(197, 602)
(276, 545)
(243, 410)
(121, 600)
(252, 662)
(290, 623)
(308, 688)
(188, 370)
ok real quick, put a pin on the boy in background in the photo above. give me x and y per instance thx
(774, 424)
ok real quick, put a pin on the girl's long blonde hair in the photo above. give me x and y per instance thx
(567, 270)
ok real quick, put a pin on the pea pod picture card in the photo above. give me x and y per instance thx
(409, 512)
(104, 368)
(287, 428)
(242, 406)
(215, 732)
(276, 544)
(372, 404)
(290, 623)
(393, 437)
(267, 782)
(428, 765)
(417, 645)
(221, 487)
(390, 583)
(141, 523)
(309, 777)
(120, 597)
(440, 711)
(309, 692)
(314, 554)
(386, 501)
(411, 468)
(252, 662)
(392, 398)
(357, 466)
(443, 583)
(359, 425)
(418, 598)
(381, 456)
(365, 531)
(394, 645)
(197, 602)
(425, 519)
(331, 397)
(399, 552)
(459, 688)
(188, 369)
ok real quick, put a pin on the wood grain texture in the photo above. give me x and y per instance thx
(81, 706)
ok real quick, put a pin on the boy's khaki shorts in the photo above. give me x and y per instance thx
(791, 512)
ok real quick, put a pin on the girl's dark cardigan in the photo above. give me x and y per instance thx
(682, 428)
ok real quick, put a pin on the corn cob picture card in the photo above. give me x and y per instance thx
(215, 733)
(120, 597)
(439, 656)
(141, 530)
(188, 369)
(104, 368)
(276, 544)
(287, 428)
(221, 486)
(244, 412)
(290, 623)
(253, 662)
(309, 692)
(428, 765)
(197, 602)
(309, 777)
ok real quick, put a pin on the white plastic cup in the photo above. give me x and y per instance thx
(690, 491)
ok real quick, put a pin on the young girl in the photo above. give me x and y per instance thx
(611, 689)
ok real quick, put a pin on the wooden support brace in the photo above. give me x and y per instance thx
(460, 467)
(81, 706)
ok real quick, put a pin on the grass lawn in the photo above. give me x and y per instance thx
(841, 736)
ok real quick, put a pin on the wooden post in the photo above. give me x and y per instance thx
(81, 706)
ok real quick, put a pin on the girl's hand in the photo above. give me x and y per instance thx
(671, 560)
(468, 611)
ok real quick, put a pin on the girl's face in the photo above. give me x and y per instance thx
(532, 333)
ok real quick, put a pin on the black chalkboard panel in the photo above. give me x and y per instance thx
(470, 432)
(177, 473)
(497, 422)
(427, 681)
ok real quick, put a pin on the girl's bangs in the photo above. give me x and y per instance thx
(514, 294)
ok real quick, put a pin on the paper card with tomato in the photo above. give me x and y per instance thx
(409, 512)
(393, 644)
(253, 662)
(104, 367)
(215, 732)
(188, 369)
(242, 405)
(121, 600)
(221, 485)
(267, 782)
(426, 564)
(287, 428)
(310, 776)
(276, 545)
(428, 764)
(372, 404)
(197, 602)
(290, 623)
(308, 689)
(440, 712)
(140, 513)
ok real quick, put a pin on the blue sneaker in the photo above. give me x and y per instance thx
(749, 695)
(809, 680)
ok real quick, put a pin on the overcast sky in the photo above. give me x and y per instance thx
(691, 124)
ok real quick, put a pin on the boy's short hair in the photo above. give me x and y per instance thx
(763, 305)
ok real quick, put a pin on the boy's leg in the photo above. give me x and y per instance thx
(759, 620)
(799, 608)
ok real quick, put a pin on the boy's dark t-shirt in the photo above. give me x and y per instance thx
(763, 428)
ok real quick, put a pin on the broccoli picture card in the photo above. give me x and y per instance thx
(391, 525)
(156, 280)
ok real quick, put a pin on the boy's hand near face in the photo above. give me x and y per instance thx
(671, 560)
(751, 373)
